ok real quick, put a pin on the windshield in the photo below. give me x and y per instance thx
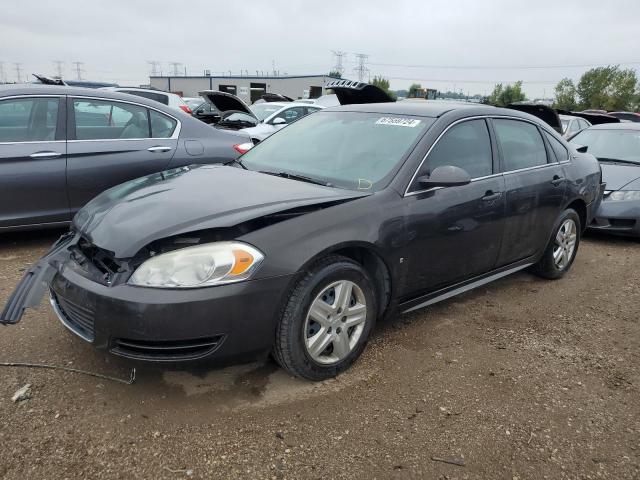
(613, 144)
(353, 150)
(263, 110)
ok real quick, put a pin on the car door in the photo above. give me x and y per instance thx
(111, 142)
(455, 232)
(534, 187)
(33, 161)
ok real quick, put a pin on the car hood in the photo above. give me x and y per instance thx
(618, 176)
(543, 112)
(225, 102)
(128, 217)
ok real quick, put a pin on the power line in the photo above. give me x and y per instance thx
(339, 56)
(59, 66)
(361, 68)
(450, 80)
(175, 68)
(79, 69)
(502, 67)
(18, 67)
(155, 67)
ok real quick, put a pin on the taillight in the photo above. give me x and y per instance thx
(243, 147)
(186, 109)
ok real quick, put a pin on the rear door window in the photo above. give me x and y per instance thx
(466, 145)
(521, 144)
(161, 125)
(104, 120)
(561, 153)
(28, 119)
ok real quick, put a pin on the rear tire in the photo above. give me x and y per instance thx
(562, 247)
(321, 342)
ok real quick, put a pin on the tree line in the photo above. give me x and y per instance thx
(604, 88)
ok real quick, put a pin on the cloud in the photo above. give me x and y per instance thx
(115, 39)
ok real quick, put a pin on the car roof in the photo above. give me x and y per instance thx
(428, 108)
(617, 126)
(567, 117)
(40, 89)
(138, 89)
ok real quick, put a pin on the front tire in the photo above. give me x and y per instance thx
(562, 247)
(327, 319)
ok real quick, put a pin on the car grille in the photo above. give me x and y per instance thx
(166, 350)
(76, 317)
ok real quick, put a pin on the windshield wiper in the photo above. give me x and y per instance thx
(295, 176)
(619, 160)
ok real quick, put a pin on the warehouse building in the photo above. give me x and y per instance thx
(248, 88)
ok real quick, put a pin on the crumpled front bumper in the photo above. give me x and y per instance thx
(34, 283)
(226, 321)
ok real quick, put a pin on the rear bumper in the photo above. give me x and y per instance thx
(620, 218)
(169, 324)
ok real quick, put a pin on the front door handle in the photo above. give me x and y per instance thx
(159, 149)
(45, 155)
(557, 180)
(491, 195)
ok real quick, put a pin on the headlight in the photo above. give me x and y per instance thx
(624, 195)
(200, 266)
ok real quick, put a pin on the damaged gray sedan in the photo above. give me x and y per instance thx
(299, 247)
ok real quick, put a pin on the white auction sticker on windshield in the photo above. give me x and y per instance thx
(398, 121)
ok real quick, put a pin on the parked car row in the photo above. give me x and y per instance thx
(299, 246)
(61, 146)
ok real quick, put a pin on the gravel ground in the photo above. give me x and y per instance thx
(521, 379)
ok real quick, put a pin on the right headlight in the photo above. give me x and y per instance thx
(620, 195)
(199, 266)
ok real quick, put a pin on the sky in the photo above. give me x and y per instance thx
(466, 45)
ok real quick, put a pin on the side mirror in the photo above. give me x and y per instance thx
(581, 148)
(278, 121)
(445, 176)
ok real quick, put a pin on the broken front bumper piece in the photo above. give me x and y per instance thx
(34, 284)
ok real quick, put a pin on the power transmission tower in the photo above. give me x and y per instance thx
(59, 66)
(3, 79)
(18, 67)
(155, 67)
(361, 69)
(79, 69)
(175, 68)
(338, 67)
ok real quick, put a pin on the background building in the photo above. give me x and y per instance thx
(248, 88)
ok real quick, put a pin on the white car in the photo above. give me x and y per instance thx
(284, 115)
(572, 125)
(166, 98)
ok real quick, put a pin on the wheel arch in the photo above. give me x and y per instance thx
(580, 206)
(372, 261)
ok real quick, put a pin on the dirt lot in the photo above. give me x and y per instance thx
(521, 379)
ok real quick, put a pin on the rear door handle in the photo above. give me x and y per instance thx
(557, 180)
(45, 155)
(159, 149)
(491, 195)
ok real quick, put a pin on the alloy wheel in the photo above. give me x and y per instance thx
(565, 244)
(335, 321)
